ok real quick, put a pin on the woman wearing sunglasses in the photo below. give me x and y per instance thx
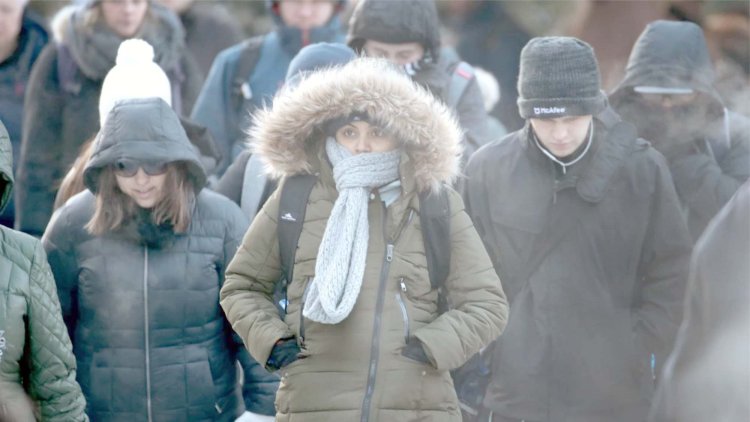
(139, 259)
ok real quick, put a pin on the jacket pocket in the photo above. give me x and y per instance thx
(401, 300)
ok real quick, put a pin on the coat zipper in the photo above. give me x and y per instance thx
(402, 305)
(146, 325)
(301, 336)
(375, 348)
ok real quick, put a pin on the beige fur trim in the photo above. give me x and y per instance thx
(430, 132)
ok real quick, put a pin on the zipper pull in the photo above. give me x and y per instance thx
(389, 252)
(403, 285)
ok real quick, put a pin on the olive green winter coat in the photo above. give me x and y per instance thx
(354, 370)
(36, 357)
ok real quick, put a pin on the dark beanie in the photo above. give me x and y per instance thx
(559, 76)
(315, 57)
(332, 126)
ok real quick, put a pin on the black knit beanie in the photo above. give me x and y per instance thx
(559, 76)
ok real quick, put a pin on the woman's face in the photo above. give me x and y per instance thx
(143, 182)
(124, 17)
(360, 136)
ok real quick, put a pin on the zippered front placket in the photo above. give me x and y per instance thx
(301, 335)
(375, 348)
(145, 329)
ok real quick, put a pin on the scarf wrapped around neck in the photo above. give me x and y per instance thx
(340, 264)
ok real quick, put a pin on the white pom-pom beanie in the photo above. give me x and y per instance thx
(135, 75)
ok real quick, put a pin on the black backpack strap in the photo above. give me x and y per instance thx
(249, 56)
(435, 219)
(462, 74)
(292, 207)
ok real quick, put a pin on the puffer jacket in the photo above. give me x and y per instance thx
(62, 111)
(143, 311)
(417, 20)
(36, 357)
(587, 312)
(710, 165)
(223, 109)
(354, 370)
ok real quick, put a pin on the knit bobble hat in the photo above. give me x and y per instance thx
(135, 75)
(559, 76)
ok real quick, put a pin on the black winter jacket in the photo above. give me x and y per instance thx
(585, 317)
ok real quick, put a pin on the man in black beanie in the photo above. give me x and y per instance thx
(407, 33)
(577, 214)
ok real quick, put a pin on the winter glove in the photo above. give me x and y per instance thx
(415, 351)
(284, 352)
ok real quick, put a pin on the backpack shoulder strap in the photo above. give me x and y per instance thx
(292, 207)
(435, 218)
(461, 75)
(249, 56)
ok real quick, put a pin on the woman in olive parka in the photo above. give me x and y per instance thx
(362, 337)
(37, 366)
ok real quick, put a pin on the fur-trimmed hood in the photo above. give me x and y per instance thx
(289, 136)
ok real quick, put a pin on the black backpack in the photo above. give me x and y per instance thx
(471, 379)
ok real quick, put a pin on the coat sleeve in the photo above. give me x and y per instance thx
(473, 119)
(53, 366)
(258, 386)
(58, 244)
(705, 182)
(213, 107)
(478, 307)
(247, 295)
(39, 163)
(663, 267)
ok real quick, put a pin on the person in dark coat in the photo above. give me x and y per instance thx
(228, 98)
(139, 260)
(668, 94)
(407, 34)
(209, 29)
(578, 215)
(37, 366)
(706, 376)
(63, 93)
(22, 38)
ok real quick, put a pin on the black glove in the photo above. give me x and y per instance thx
(415, 351)
(284, 352)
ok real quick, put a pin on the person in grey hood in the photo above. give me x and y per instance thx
(407, 33)
(139, 260)
(37, 366)
(60, 113)
(578, 215)
(668, 94)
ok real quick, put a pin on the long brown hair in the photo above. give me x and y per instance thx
(114, 208)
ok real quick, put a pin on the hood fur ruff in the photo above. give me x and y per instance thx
(429, 131)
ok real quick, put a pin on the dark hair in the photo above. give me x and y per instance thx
(114, 208)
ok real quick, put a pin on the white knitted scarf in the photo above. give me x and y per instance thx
(340, 265)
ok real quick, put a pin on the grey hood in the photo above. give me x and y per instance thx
(144, 130)
(6, 167)
(288, 137)
(669, 54)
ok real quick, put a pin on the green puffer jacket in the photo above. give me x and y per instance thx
(35, 351)
(354, 370)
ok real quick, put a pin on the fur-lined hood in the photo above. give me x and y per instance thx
(289, 136)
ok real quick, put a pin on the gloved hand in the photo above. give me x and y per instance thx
(415, 351)
(284, 352)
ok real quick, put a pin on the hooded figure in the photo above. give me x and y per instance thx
(383, 351)
(439, 70)
(577, 214)
(246, 76)
(668, 94)
(36, 357)
(139, 276)
(64, 90)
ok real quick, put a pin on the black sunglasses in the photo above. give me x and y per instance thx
(125, 167)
